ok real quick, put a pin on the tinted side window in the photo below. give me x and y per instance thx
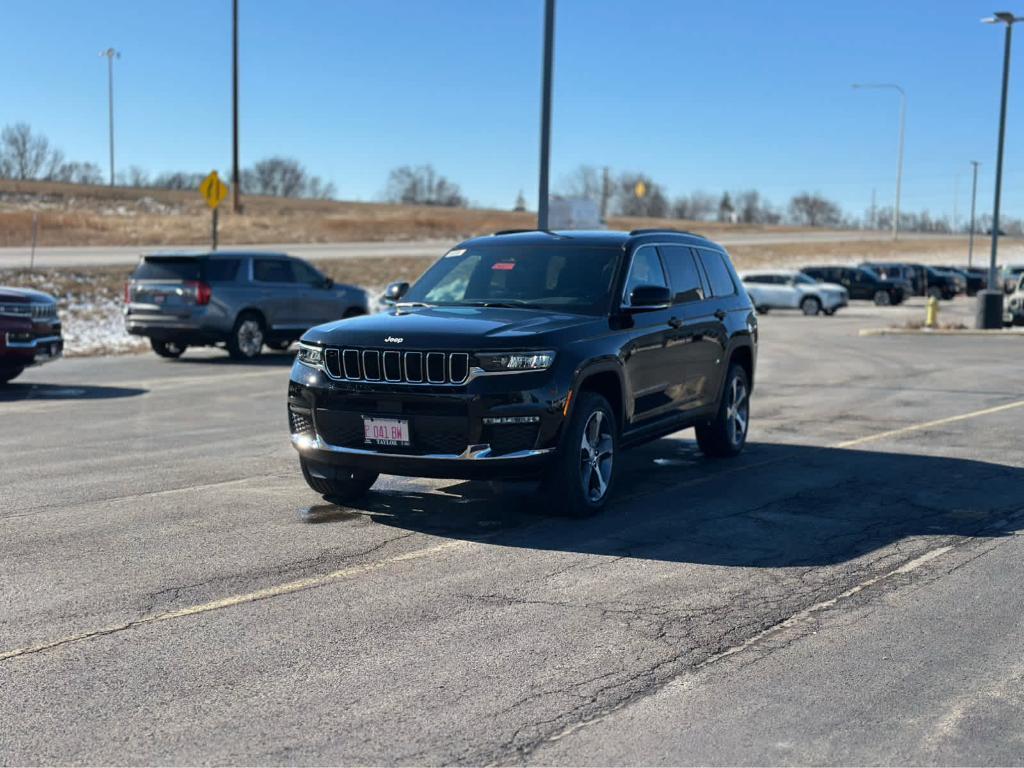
(305, 273)
(757, 279)
(682, 273)
(645, 270)
(221, 270)
(168, 268)
(272, 271)
(718, 273)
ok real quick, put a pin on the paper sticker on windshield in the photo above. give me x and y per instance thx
(504, 265)
(455, 252)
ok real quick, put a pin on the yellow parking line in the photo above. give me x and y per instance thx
(928, 425)
(287, 588)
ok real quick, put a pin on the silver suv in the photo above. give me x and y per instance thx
(241, 299)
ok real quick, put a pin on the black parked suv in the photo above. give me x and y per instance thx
(860, 282)
(530, 355)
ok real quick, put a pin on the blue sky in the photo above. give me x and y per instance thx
(700, 95)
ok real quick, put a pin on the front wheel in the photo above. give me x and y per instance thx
(726, 435)
(171, 349)
(337, 484)
(810, 306)
(9, 372)
(580, 481)
(882, 298)
(246, 339)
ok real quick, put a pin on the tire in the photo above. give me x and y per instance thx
(8, 373)
(246, 339)
(727, 434)
(582, 478)
(337, 484)
(883, 298)
(171, 349)
(829, 312)
(810, 305)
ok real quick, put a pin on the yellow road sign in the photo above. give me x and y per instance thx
(213, 190)
(640, 189)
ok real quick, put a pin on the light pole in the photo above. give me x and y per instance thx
(545, 114)
(111, 54)
(236, 192)
(899, 160)
(974, 197)
(990, 301)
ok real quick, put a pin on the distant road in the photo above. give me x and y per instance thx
(68, 256)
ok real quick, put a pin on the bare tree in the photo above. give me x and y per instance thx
(77, 173)
(422, 185)
(24, 155)
(585, 181)
(652, 204)
(698, 206)
(751, 208)
(284, 177)
(179, 180)
(814, 210)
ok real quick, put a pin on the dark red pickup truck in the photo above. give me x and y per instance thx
(29, 330)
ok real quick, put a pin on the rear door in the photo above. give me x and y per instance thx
(165, 286)
(275, 286)
(715, 310)
(318, 303)
(691, 344)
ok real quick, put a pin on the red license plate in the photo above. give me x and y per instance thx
(385, 431)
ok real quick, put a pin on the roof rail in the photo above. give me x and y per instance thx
(658, 230)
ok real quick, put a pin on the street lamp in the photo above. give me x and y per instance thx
(545, 114)
(974, 197)
(899, 161)
(990, 301)
(111, 54)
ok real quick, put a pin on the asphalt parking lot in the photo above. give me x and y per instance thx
(848, 590)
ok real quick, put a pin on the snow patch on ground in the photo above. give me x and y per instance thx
(97, 328)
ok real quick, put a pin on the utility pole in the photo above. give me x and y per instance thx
(899, 159)
(990, 301)
(236, 186)
(606, 193)
(874, 210)
(956, 199)
(974, 196)
(545, 114)
(111, 54)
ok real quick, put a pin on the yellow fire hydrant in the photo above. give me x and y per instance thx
(931, 312)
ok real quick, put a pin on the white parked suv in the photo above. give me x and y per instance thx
(789, 289)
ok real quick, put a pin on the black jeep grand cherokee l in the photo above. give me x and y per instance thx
(530, 354)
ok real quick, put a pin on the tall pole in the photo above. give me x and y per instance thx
(111, 54)
(999, 157)
(236, 198)
(974, 197)
(545, 114)
(899, 157)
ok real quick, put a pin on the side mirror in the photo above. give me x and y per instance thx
(649, 297)
(395, 291)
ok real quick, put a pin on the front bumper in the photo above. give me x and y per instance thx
(451, 427)
(24, 349)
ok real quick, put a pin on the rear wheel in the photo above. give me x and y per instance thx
(247, 336)
(882, 298)
(338, 484)
(727, 434)
(810, 305)
(9, 372)
(171, 349)
(580, 481)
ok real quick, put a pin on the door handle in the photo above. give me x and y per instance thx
(675, 322)
(720, 314)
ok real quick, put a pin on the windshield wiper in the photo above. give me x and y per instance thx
(512, 304)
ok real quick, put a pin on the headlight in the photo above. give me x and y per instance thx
(310, 355)
(514, 361)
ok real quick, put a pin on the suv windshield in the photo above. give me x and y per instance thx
(567, 278)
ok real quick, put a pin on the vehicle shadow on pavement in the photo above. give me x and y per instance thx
(16, 391)
(776, 505)
(265, 360)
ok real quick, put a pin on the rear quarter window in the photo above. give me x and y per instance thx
(168, 269)
(222, 270)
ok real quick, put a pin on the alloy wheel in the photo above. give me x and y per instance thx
(596, 455)
(737, 411)
(250, 338)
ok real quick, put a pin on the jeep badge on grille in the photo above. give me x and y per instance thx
(393, 340)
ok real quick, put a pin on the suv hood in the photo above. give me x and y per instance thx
(24, 295)
(444, 328)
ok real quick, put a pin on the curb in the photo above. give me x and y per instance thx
(994, 333)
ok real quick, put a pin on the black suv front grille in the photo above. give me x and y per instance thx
(393, 366)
